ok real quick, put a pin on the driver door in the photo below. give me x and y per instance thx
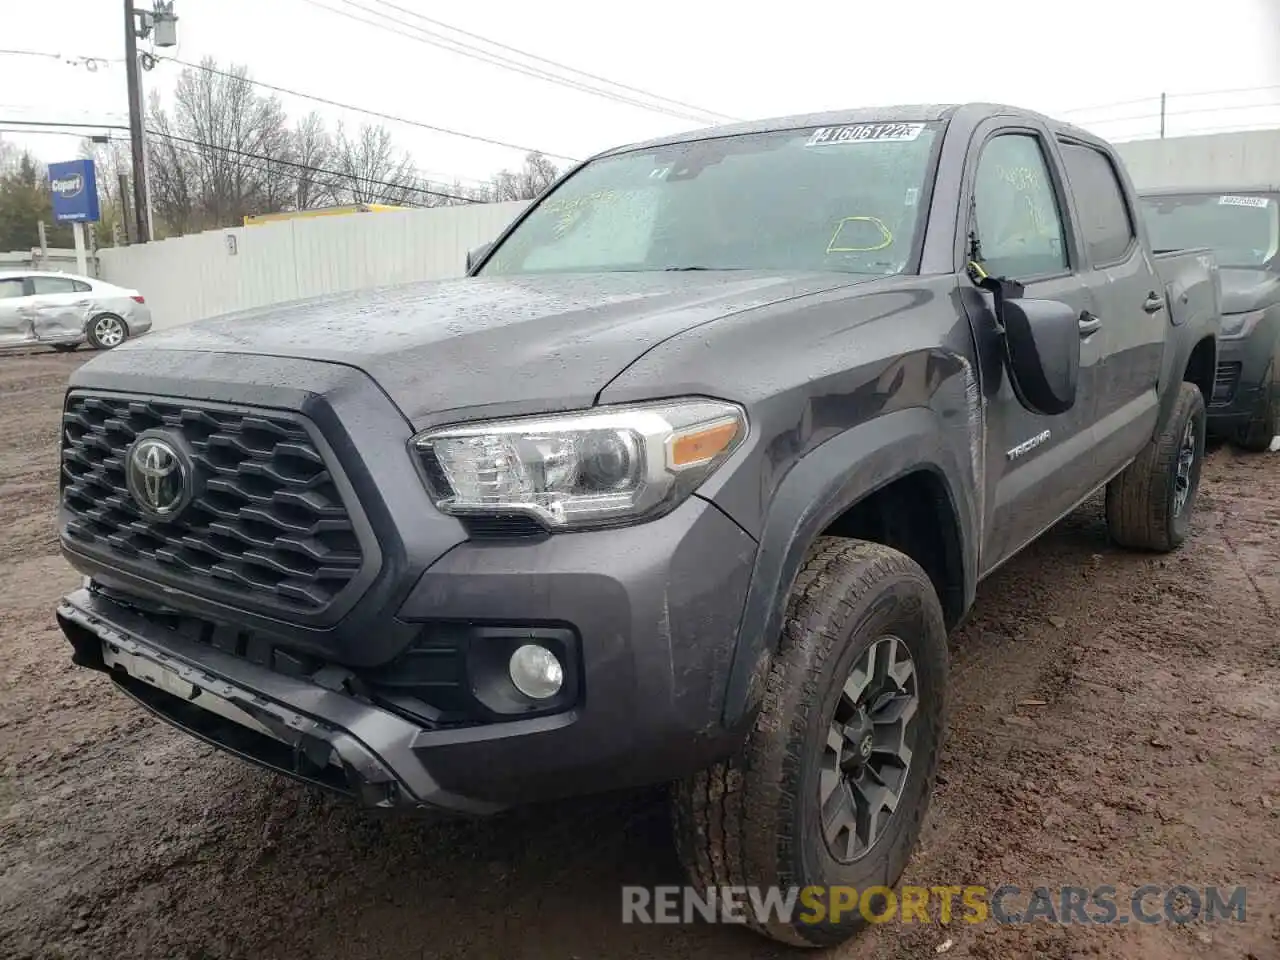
(1037, 467)
(15, 320)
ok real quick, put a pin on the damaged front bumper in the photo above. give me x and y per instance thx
(323, 737)
(647, 614)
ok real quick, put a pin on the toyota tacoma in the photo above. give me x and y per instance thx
(685, 481)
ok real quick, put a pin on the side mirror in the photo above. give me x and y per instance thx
(1042, 353)
(476, 255)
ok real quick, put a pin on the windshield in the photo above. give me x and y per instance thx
(842, 198)
(1242, 230)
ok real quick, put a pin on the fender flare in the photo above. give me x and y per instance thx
(819, 488)
(1184, 344)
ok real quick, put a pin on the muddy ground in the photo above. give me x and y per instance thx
(1150, 752)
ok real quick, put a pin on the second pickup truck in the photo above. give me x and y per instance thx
(1241, 224)
(686, 481)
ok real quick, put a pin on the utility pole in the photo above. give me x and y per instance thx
(1162, 103)
(130, 232)
(135, 123)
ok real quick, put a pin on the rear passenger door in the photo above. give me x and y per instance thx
(15, 321)
(1037, 467)
(1130, 301)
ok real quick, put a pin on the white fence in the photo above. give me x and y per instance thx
(206, 274)
(55, 258)
(1247, 159)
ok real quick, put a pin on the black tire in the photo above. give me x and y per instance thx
(103, 330)
(1144, 509)
(1257, 434)
(754, 820)
(65, 347)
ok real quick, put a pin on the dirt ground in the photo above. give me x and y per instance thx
(1150, 753)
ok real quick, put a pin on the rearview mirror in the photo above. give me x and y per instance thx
(476, 255)
(1042, 353)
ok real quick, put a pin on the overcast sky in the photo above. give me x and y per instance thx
(736, 59)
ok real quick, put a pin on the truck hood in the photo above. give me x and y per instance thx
(1245, 289)
(504, 345)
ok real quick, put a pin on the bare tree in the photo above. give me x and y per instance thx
(10, 157)
(527, 183)
(313, 152)
(223, 151)
(174, 176)
(538, 174)
(368, 169)
(110, 159)
(226, 151)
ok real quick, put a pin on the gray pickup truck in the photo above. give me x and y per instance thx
(1241, 224)
(685, 482)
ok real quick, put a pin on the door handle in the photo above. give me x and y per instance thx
(1089, 324)
(1154, 303)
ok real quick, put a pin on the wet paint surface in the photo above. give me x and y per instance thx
(439, 348)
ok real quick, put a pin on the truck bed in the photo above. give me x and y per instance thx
(1191, 283)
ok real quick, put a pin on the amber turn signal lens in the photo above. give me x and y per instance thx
(692, 449)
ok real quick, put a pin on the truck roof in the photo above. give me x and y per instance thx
(974, 113)
(1217, 189)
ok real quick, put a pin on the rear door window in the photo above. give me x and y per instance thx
(11, 288)
(48, 285)
(1105, 222)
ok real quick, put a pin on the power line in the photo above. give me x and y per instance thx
(79, 126)
(1171, 96)
(264, 164)
(372, 113)
(267, 162)
(699, 114)
(116, 126)
(1211, 93)
(90, 63)
(56, 133)
(555, 63)
(314, 169)
(233, 150)
(1108, 106)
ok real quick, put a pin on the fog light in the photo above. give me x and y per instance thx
(536, 672)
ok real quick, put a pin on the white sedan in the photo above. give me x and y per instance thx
(63, 310)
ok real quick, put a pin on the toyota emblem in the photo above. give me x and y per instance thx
(159, 477)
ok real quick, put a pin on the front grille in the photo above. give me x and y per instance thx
(1225, 383)
(266, 528)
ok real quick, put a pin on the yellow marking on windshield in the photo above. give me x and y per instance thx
(885, 232)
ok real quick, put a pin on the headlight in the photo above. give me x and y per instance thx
(608, 465)
(1236, 326)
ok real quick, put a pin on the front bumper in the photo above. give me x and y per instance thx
(655, 609)
(1245, 370)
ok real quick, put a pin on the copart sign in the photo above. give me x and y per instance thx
(74, 187)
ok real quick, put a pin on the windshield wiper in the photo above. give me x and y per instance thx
(681, 269)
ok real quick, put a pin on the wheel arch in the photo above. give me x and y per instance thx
(1202, 366)
(1196, 361)
(861, 483)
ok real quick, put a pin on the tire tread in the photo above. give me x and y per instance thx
(733, 822)
(1139, 501)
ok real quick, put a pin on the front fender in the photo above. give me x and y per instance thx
(818, 489)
